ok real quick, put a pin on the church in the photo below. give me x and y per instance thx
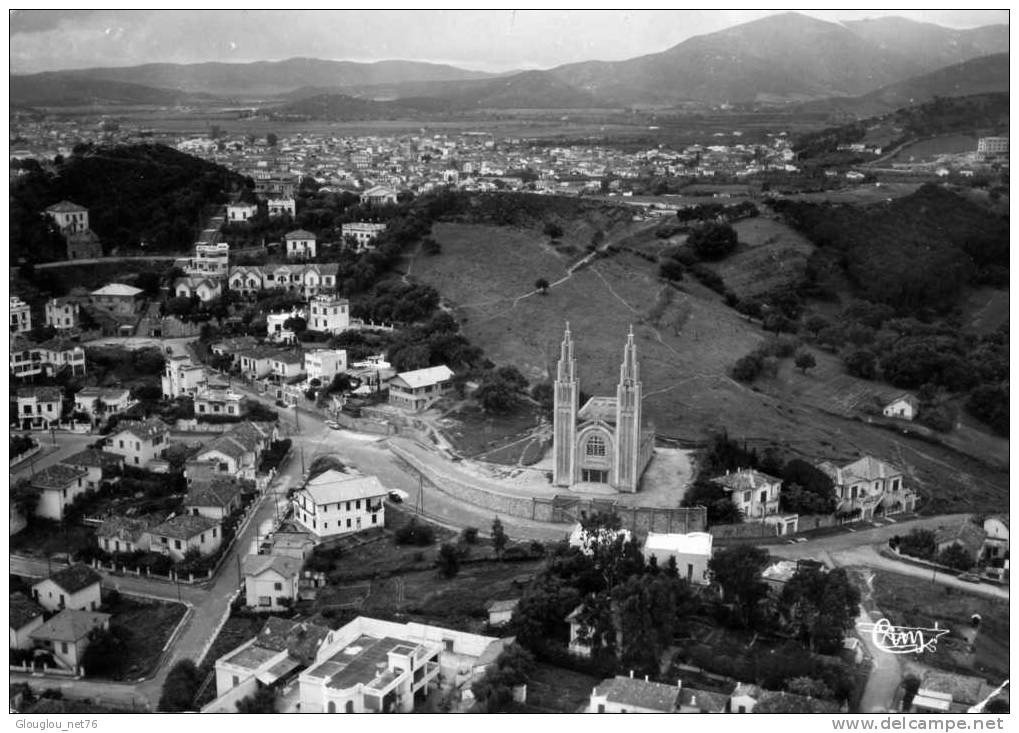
(603, 442)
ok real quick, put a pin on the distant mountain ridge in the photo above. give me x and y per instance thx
(788, 57)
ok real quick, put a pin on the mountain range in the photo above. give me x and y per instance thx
(780, 59)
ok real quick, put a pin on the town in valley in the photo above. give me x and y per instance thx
(674, 383)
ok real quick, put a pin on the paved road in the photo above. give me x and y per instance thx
(67, 444)
(102, 260)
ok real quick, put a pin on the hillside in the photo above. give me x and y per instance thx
(57, 89)
(687, 341)
(932, 45)
(780, 57)
(135, 193)
(269, 78)
(527, 90)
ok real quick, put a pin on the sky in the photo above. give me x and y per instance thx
(485, 40)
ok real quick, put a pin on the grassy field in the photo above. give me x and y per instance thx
(557, 690)
(42, 538)
(867, 193)
(771, 255)
(909, 601)
(147, 625)
(498, 440)
(687, 342)
(930, 149)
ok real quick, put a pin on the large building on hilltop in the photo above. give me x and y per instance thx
(603, 442)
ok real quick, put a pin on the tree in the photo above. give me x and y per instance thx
(955, 556)
(860, 363)
(448, 560)
(820, 606)
(808, 687)
(541, 285)
(804, 361)
(296, 324)
(806, 489)
(671, 269)
(910, 686)
(262, 700)
(738, 571)
(494, 691)
(748, 368)
(499, 538)
(713, 241)
(271, 139)
(180, 687)
(470, 535)
(105, 653)
(553, 230)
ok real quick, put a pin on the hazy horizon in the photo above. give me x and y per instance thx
(490, 40)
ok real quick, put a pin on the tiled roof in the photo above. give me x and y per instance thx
(218, 492)
(117, 289)
(76, 577)
(425, 377)
(301, 639)
(41, 394)
(637, 692)
(70, 625)
(300, 234)
(333, 486)
(65, 207)
(22, 610)
(288, 567)
(869, 468)
(184, 526)
(963, 688)
(94, 458)
(128, 529)
(714, 702)
(142, 429)
(57, 476)
(746, 478)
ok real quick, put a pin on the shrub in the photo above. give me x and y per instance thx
(671, 270)
(470, 535)
(748, 368)
(413, 533)
(713, 241)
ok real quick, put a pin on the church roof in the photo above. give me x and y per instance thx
(601, 409)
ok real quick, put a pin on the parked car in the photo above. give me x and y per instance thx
(969, 578)
(334, 425)
(398, 496)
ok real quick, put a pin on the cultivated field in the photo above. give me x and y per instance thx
(868, 193)
(687, 342)
(909, 601)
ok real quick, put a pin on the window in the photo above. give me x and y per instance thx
(595, 446)
(348, 506)
(375, 519)
(348, 524)
(236, 681)
(121, 443)
(176, 544)
(331, 708)
(63, 647)
(601, 708)
(447, 644)
(277, 586)
(357, 504)
(746, 497)
(264, 601)
(213, 533)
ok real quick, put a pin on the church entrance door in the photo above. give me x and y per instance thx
(593, 476)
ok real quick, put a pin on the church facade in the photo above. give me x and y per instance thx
(603, 442)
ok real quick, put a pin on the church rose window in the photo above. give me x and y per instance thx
(595, 446)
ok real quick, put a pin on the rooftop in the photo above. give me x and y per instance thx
(185, 526)
(22, 610)
(288, 567)
(57, 476)
(640, 693)
(41, 394)
(94, 458)
(117, 289)
(424, 377)
(70, 625)
(745, 478)
(694, 543)
(142, 429)
(599, 409)
(332, 486)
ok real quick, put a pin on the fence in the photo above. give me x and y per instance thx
(24, 456)
(173, 577)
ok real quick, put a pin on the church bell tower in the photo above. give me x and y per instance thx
(629, 394)
(564, 416)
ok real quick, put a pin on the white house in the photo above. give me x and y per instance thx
(996, 541)
(904, 407)
(288, 366)
(378, 196)
(24, 617)
(300, 244)
(75, 587)
(417, 389)
(335, 503)
(324, 364)
(276, 328)
(634, 695)
(744, 698)
(270, 581)
(59, 486)
(755, 494)
(67, 634)
(868, 486)
(182, 377)
(257, 362)
(274, 657)
(62, 313)
(691, 552)
(139, 441)
(176, 536)
(69, 217)
(210, 260)
(237, 451)
(218, 400)
(123, 534)
(216, 497)
(281, 206)
(39, 408)
(363, 233)
(328, 314)
(500, 612)
(20, 315)
(97, 464)
(239, 213)
(203, 288)
(99, 403)
(374, 666)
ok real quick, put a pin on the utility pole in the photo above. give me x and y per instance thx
(302, 460)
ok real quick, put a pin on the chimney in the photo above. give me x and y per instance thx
(645, 678)
(631, 674)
